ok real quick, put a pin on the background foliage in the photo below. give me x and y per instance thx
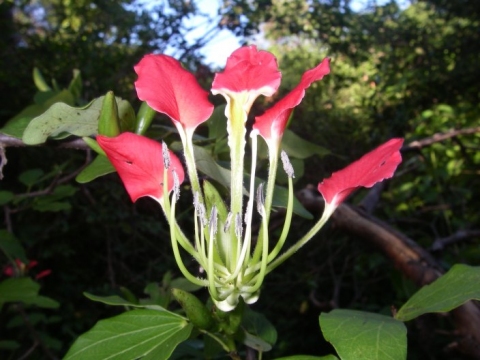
(408, 69)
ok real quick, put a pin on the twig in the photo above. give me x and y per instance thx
(438, 137)
(460, 235)
(34, 334)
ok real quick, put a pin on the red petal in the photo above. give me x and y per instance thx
(371, 168)
(272, 123)
(170, 89)
(139, 163)
(43, 273)
(9, 270)
(249, 69)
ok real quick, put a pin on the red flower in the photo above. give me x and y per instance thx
(248, 69)
(23, 269)
(371, 168)
(170, 89)
(272, 123)
(139, 163)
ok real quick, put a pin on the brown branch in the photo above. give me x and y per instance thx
(407, 256)
(460, 235)
(74, 143)
(438, 137)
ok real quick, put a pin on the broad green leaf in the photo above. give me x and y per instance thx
(358, 335)
(459, 285)
(308, 357)
(61, 120)
(299, 148)
(132, 335)
(16, 126)
(98, 167)
(6, 197)
(259, 333)
(24, 290)
(11, 246)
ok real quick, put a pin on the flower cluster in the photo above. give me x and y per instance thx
(234, 264)
(22, 269)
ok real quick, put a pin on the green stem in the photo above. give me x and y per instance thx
(286, 226)
(327, 212)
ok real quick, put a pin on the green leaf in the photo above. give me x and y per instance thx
(358, 335)
(61, 120)
(39, 80)
(259, 333)
(98, 167)
(6, 197)
(299, 148)
(207, 165)
(24, 290)
(280, 199)
(126, 115)
(11, 246)
(53, 202)
(75, 86)
(9, 344)
(16, 126)
(30, 177)
(147, 334)
(308, 357)
(459, 285)
(116, 300)
(184, 284)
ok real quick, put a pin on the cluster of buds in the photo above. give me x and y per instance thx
(235, 265)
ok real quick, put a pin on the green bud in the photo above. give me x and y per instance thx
(144, 119)
(108, 123)
(195, 310)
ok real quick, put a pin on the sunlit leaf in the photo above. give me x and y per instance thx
(459, 285)
(16, 126)
(358, 335)
(61, 120)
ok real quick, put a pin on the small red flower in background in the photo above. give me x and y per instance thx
(371, 168)
(272, 123)
(139, 163)
(170, 89)
(248, 69)
(22, 269)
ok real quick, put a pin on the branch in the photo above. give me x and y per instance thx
(460, 235)
(438, 137)
(73, 143)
